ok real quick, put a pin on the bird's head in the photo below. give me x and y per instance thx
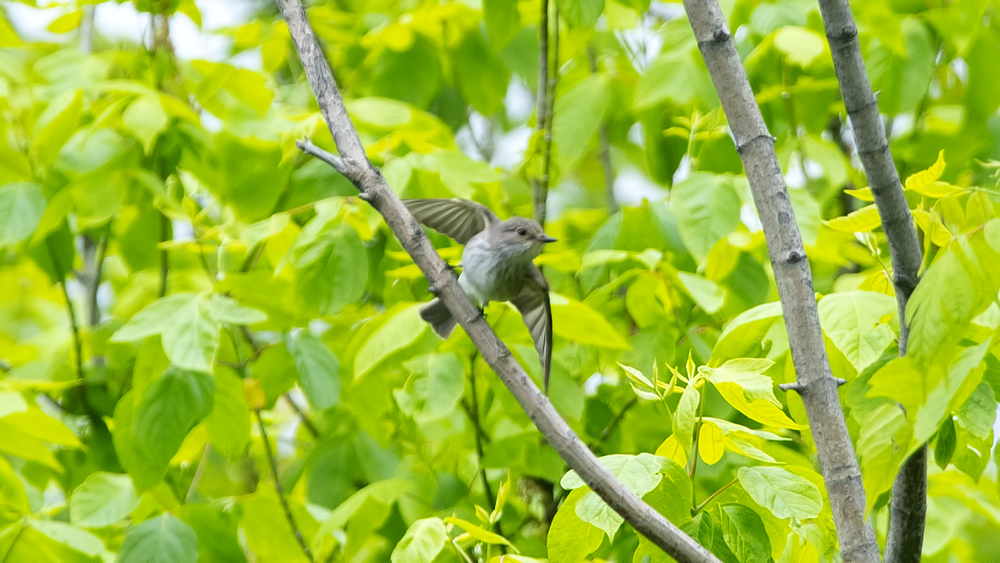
(523, 236)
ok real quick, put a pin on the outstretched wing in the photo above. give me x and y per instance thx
(460, 219)
(533, 302)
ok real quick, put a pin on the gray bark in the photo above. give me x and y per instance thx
(908, 507)
(815, 383)
(354, 164)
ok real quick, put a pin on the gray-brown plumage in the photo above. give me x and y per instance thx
(496, 266)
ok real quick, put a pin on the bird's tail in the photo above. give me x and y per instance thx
(439, 318)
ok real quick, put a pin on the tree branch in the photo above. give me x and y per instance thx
(909, 490)
(793, 278)
(411, 236)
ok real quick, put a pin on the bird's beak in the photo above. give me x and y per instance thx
(547, 239)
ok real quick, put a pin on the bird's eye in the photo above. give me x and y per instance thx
(522, 232)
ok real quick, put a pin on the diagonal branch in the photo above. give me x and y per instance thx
(793, 277)
(374, 189)
(909, 490)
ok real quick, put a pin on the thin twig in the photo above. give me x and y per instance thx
(198, 472)
(306, 421)
(704, 503)
(165, 236)
(618, 418)
(93, 279)
(306, 146)
(257, 350)
(604, 144)
(473, 413)
(77, 341)
(273, 463)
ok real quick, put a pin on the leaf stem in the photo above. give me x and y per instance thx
(273, 463)
(704, 503)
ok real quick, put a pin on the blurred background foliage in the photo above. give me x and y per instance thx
(205, 335)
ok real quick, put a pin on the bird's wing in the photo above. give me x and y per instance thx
(460, 219)
(533, 302)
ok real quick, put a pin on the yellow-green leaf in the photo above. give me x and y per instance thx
(925, 178)
(863, 220)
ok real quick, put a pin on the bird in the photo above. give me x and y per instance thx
(496, 266)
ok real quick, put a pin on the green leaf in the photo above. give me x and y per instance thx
(61, 542)
(163, 539)
(580, 13)
(56, 125)
(502, 21)
(685, 416)
(21, 208)
(676, 77)
(228, 423)
(576, 321)
(642, 386)
(13, 497)
(146, 119)
(102, 499)
(399, 329)
(707, 209)
(571, 539)
(434, 387)
(331, 266)
(979, 411)
(247, 86)
(902, 80)
(478, 533)
(944, 443)
(706, 293)
(746, 335)
(864, 220)
(743, 384)
(318, 368)
(640, 473)
(856, 323)
(422, 542)
(802, 46)
(145, 468)
(216, 530)
(744, 533)
(188, 324)
(225, 310)
(247, 174)
(266, 530)
(171, 407)
(578, 114)
(482, 77)
(940, 308)
(784, 493)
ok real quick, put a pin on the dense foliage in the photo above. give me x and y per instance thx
(210, 346)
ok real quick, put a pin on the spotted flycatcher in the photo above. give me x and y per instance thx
(496, 266)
